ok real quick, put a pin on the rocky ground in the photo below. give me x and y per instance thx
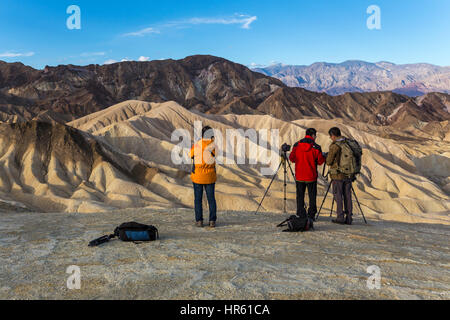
(246, 257)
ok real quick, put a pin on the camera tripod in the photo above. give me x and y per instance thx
(332, 206)
(283, 163)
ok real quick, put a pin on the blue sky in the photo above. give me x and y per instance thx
(245, 31)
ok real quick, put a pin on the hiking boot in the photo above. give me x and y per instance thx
(212, 224)
(338, 221)
(199, 224)
(349, 220)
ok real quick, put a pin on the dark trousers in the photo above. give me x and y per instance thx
(312, 192)
(210, 194)
(342, 190)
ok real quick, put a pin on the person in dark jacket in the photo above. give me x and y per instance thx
(307, 155)
(342, 184)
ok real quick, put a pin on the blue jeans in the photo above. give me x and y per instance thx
(198, 192)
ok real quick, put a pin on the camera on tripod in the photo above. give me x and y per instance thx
(284, 162)
(286, 148)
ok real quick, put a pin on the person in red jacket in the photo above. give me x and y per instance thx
(307, 155)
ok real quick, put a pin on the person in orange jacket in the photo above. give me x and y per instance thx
(204, 176)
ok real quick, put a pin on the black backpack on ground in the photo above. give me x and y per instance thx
(130, 232)
(297, 224)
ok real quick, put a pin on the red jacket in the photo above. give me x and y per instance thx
(307, 155)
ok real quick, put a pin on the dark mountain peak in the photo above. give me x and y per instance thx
(16, 74)
(200, 61)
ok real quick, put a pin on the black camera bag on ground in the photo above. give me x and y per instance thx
(297, 224)
(130, 232)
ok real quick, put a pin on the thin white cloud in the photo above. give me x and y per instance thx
(143, 59)
(244, 21)
(249, 21)
(16, 54)
(141, 33)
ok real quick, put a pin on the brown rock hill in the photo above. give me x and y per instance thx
(204, 83)
(199, 82)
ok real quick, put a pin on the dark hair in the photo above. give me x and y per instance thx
(311, 132)
(335, 132)
(207, 131)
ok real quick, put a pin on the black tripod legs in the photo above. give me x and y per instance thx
(323, 202)
(285, 185)
(285, 163)
(332, 206)
(290, 167)
(267, 191)
(359, 205)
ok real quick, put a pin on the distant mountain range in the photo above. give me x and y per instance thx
(206, 84)
(359, 76)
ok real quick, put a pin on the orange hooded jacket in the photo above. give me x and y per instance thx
(203, 154)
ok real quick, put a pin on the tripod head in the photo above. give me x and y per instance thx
(285, 148)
